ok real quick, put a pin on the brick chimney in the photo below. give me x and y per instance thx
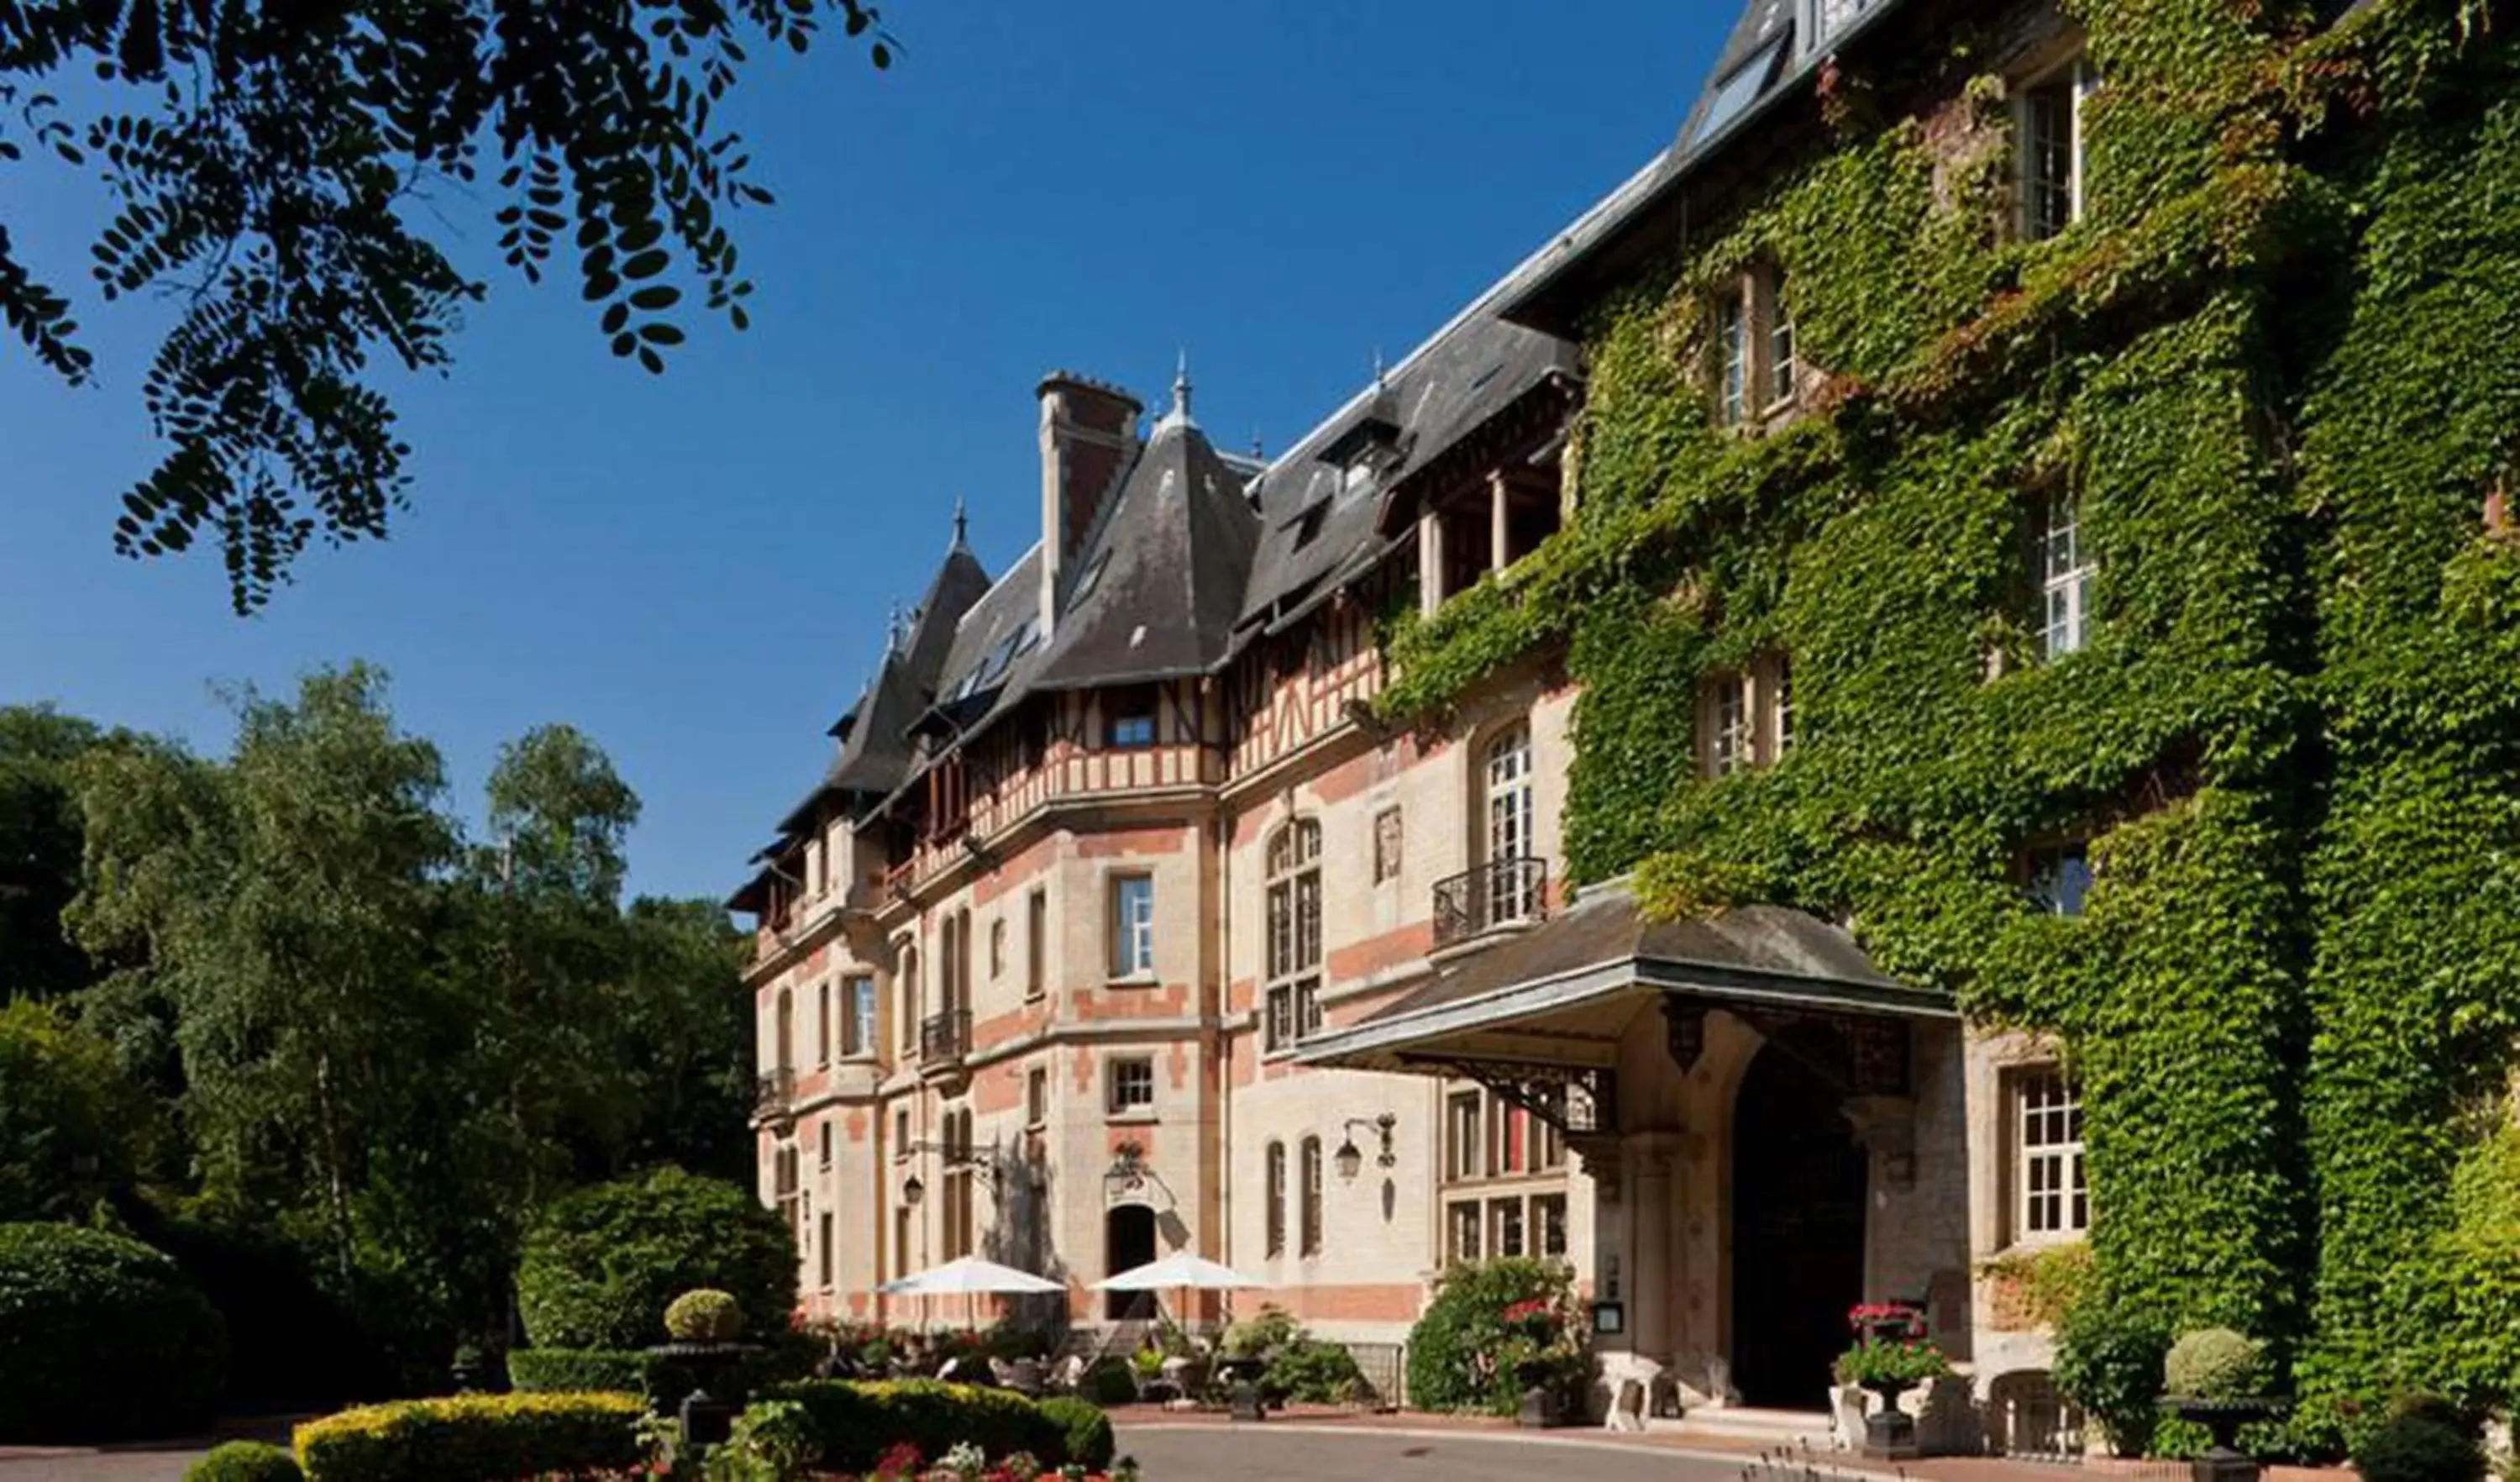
(1089, 428)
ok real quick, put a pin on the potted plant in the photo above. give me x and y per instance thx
(2214, 1377)
(1890, 1356)
(1542, 1352)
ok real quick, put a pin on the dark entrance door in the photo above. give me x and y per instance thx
(1127, 1242)
(1798, 1190)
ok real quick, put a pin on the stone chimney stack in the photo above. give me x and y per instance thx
(1089, 428)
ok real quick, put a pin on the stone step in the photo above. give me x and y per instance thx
(1765, 1427)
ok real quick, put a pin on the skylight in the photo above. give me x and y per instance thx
(1734, 95)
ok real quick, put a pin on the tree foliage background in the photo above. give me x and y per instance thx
(287, 994)
(265, 162)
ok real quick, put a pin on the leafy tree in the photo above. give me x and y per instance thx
(271, 163)
(71, 1126)
(39, 850)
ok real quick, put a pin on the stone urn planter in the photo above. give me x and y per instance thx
(2223, 1419)
(716, 1397)
(1889, 1431)
(1541, 1409)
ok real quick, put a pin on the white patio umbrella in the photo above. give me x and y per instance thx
(967, 1276)
(1180, 1271)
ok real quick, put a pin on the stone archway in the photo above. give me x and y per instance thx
(1798, 1190)
(1127, 1242)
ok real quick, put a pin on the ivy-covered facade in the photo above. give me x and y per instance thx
(2044, 502)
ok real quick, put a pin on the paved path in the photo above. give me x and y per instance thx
(1286, 1453)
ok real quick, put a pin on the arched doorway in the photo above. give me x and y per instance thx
(1127, 1242)
(1798, 1193)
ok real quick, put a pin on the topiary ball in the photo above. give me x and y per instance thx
(704, 1315)
(2419, 1446)
(245, 1461)
(2213, 1363)
(102, 1339)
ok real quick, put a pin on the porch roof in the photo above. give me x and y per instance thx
(1562, 992)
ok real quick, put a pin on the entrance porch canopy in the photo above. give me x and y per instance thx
(1560, 995)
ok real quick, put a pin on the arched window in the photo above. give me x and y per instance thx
(1513, 890)
(1310, 1174)
(783, 1032)
(1277, 1198)
(1294, 934)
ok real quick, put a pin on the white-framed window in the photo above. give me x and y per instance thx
(1732, 357)
(1275, 1177)
(1514, 894)
(1461, 1232)
(1309, 1176)
(1132, 925)
(1725, 714)
(1130, 1084)
(2064, 578)
(1462, 1143)
(1294, 933)
(857, 1027)
(2047, 134)
(1778, 679)
(2053, 1200)
(1782, 373)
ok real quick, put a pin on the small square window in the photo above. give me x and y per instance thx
(2059, 879)
(1130, 717)
(1131, 1084)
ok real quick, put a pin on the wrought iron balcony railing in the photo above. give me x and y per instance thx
(945, 1038)
(1499, 893)
(775, 1092)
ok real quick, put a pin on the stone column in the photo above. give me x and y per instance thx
(1500, 520)
(1431, 562)
(1656, 1271)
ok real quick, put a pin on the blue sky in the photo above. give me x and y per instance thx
(696, 569)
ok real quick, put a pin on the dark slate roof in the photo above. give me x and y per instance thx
(1167, 561)
(997, 648)
(1318, 529)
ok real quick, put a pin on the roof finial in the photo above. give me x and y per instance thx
(1256, 450)
(892, 628)
(1378, 380)
(962, 524)
(1180, 386)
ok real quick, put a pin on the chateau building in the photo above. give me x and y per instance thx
(1775, 758)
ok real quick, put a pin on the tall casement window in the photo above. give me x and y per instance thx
(1756, 371)
(782, 1033)
(1309, 1177)
(1745, 717)
(857, 1029)
(1294, 940)
(997, 948)
(1129, 1084)
(900, 1240)
(2064, 575)
(787, 1189)
(1036, 943)
(1132, 925)
(823, 1248)
(2052, 1201)
(906, 998)
(823, 1022)
(2047, 132)
(1513, 894)
(824, 1134)
(1462, 1232)
(1274, 1177)
(958, 1204)
(1461, 1149)
(1036, 1096)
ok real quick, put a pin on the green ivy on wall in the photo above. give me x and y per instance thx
(2277, 366)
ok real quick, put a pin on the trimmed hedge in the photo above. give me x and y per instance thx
(473, 1438)
(1090, 1442)
(580, 1371)
(859, 1423)
(245, 1461)
(600, 1264)
(2419, 1446)
(102, 1339)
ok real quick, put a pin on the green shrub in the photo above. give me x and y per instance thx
(1312, 1371)
(101, 1338)
(72, 1123)
(1088, 1430)
(598, 1265)
(704, 1315)
(2111, 1366)
(860, 1422)
(1267, 1331)
(2419, 1446)
(773, 1441)
(1466, 1321)
(1109, 1381)
(245, 1462)
(473, 1438)
(2213, 1363)
(580, 1371)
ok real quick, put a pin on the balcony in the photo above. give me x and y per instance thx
(944, 1039)
(1506, 892)
(775, 1092)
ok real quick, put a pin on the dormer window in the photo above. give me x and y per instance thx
(1131, 717)
(1823, 20)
